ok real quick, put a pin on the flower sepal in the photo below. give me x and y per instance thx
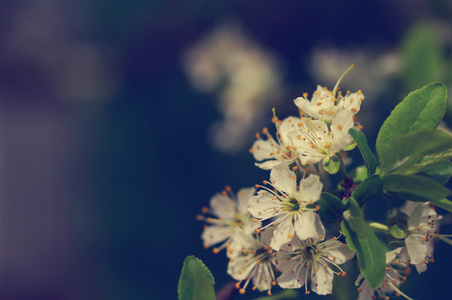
(331, 164)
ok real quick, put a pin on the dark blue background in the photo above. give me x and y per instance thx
(99, 197)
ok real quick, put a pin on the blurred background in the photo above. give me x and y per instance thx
(120, 119)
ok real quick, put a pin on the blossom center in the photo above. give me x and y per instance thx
(292, 205)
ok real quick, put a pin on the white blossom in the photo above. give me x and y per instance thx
(316, 140)
(251, 259)
(292, 206)
(397, 268)
(229, 213)
(274, 152)
(311, 260)
(422, 228)
(324, 104)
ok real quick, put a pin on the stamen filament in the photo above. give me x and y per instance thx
(340, 78)
(399, 291)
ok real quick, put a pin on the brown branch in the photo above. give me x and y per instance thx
(227, 292)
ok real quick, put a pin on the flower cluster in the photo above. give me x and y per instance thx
(289, 231)
(321, 131)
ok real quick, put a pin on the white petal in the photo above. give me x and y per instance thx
(289, 280)
(421, 267)
(235, 267)
(243, 197)
(265, 277)
(287, 125)
(391, 255)
(284, 232)
(310, 189)
(417, 250)
(322, 280)
(309, 226)
(427, 211)
(214, 234)
(366, 292)
(262, 206)
(267, 235)
(311, 157)
(351, 101)
(341, 253)
(409, 207)
(268, 164)
(241, 239)
(262, 149)
(291, 246)
(307, 107)
(340, 126)
(344, 118)
(283, 179)
(415, 217)
(250, 226)
(358, 280)
(223, 206)
(317, 136)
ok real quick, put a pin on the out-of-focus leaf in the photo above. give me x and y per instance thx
(441, 173)
(444, 204)
(422, 56)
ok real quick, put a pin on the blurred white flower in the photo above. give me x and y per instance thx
(41, 35)
(371, 75)
(246, 80)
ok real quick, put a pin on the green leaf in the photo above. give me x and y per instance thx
(413, 187)
(441, 173)
(331, 208)
(370, 187)
(355, 219)
(359, 174)
(195, 282)
(430, 162)
(349, 147)
(421, 109)
(444, 204)
(370, 252)
(408, 149)
(397, 232)
(421, 55)
(369, 158)
(332, 164)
